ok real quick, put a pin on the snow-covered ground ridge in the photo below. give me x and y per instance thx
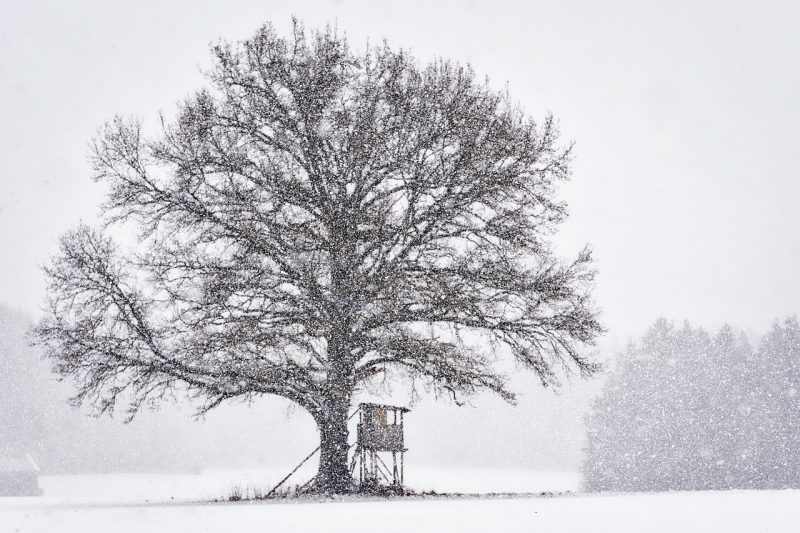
(175, 503)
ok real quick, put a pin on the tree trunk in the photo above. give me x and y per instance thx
(333, 476)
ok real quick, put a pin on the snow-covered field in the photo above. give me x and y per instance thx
(171, 503)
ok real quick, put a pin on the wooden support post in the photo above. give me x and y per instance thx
(395, 479)
(402, 458)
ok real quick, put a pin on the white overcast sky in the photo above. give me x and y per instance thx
(685, 114)
(686, 119)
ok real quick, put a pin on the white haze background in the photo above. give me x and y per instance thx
(685, 183)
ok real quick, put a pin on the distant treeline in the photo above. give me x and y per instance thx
(35, 417)
(686, 410)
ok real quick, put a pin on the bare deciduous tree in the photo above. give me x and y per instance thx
(314, 219)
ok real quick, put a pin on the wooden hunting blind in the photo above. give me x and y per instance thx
(380, 430)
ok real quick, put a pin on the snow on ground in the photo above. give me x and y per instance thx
(174, 503)
(217, 484)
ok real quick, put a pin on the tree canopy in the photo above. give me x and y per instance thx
(315, 218)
